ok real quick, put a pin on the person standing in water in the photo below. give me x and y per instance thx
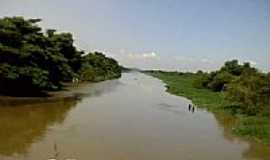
(189, 107)
(193, 109)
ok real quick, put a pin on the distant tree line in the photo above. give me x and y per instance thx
(244, 86)
(32, 61)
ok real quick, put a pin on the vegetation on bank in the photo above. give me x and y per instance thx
(32, 61)
(240, 90)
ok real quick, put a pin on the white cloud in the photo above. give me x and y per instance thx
(251, 62)
(149, 55)
(152, 60)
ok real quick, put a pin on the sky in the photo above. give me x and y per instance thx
(185, 35)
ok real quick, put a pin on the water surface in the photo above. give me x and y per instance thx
(131, 118)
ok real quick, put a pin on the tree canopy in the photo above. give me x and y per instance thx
(32, 61)
(244, 86)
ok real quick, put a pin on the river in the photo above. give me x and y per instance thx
(131, 118)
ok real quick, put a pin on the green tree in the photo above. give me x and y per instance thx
(232, 67)
(220, 80)
(251, 92)
(32, 61)
(100, 66)
(201, 80)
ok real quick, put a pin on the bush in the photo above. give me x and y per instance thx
(201, 80)
(96, 67)
(220, 80)
(251, 92)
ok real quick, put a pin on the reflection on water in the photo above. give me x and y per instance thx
(257, 151)
(254, 151)
(23, 124)
(132, 118)
(90, 89)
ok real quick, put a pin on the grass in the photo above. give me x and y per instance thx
(254, 127)
(251, 127)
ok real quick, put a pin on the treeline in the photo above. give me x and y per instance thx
(32, 61)
(97, 67)
(246, 88)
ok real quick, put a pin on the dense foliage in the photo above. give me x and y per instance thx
(32, 61)
(251, 92)
(97, 67)
(245, 87)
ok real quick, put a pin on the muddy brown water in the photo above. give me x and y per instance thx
(132, 118)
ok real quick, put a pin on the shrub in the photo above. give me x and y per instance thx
(201, 80)
(220, 80)
(251, 92)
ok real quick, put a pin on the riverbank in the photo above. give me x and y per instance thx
(251, 127)
(69, 92)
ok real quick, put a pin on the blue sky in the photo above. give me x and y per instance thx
(160, 34)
